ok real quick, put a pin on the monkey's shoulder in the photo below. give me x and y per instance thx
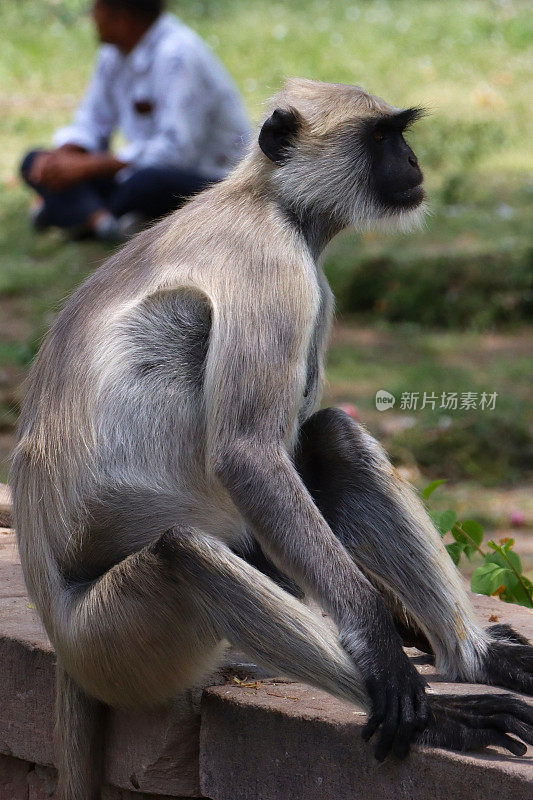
(168, 332)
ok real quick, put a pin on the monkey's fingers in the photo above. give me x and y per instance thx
(468, 724)
(489, 704)
(377, 715)
(508, 724)
(407, 728)
(389, 728)
(521, 654)
(510, 665)
(509, 660)
(414, 717)
(505, 722)
(400, 713)
(422, 710)
(454, 735)
(489, 737)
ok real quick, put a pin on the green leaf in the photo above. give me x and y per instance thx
(525, 596)
(513, 592)
(473, 529)
(517, 594)
(443, 520)
(469, 551)
(455, 549)
(462, 540)
(502, 558)
(470, 534)
(458, 534)
(430, 488)
(517, 589)
(487, 578)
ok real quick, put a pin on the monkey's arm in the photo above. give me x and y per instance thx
(254, 383)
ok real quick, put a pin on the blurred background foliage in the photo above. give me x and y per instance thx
(447, 308)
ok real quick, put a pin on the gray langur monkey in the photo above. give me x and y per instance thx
(170, 422)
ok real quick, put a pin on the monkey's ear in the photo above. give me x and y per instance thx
(278, 134)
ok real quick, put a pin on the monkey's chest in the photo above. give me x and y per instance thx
(315, 352)
(312, 380)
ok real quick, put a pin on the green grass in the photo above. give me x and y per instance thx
(468, 62)
(490, 447)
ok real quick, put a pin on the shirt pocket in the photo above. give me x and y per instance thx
(143, 108)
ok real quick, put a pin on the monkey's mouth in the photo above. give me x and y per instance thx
(408, 198)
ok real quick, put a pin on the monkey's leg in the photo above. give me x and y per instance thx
(411, 634)
(151, 616)
(254, 555)
(385, 527)
(154, 623)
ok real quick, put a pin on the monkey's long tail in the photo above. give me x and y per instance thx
(80, 729)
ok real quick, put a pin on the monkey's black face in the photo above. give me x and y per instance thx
(395, 175)
(359, 172)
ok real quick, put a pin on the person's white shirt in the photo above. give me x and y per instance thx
(172, 99)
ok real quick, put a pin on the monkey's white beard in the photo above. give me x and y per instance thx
(342, 196)
(404, 221)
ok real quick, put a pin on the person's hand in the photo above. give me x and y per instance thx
(36, 171)
(59, 169)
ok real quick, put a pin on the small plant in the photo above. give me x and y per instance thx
(500, 575)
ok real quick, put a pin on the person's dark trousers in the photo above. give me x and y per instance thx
(151, 191)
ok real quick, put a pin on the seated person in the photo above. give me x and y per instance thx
(158, 82)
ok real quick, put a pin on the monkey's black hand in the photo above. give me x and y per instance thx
(396, 690)
(509, 660)
(472, 722)
(399, 709)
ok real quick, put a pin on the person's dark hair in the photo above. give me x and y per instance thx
(147, 10)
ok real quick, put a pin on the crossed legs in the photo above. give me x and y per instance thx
(155, 624)
(152, 191)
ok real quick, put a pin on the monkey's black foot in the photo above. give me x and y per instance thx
(472, 722)
(509, 660)
(506, 633)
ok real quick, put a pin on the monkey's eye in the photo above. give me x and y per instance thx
(377, 135)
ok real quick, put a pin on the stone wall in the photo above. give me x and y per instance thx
(20, 780)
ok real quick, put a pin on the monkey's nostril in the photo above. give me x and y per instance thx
(413, 161)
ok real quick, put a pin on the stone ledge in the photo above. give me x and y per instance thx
(287, 740)
(280, 740)
(20, 780)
